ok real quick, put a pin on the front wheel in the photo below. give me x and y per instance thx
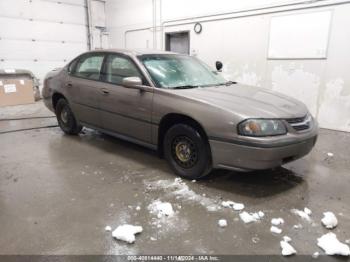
(66, 119)
(187, 151)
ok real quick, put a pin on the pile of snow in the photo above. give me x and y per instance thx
(303, 214)
(277, 221)
(233, 205)
(161, 208)
(126, 233)
(222, 223)
(332, 246)
(251, 217)
(182, 191)
(330, 154)
(275, 230)
(108, 229)
(329, 220)
(287, 249)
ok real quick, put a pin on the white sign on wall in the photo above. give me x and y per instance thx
(11, 88)
(299, 36)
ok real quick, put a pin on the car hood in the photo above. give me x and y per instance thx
(248, 101)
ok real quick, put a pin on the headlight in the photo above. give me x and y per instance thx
(261, 127)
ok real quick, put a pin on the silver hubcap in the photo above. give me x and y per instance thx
(64, 116)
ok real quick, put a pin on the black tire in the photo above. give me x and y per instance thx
(66, 119)
(187, 151)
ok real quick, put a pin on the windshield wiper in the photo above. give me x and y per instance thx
(228, 83)
(184, 87)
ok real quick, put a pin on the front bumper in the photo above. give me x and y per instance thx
(238, 156)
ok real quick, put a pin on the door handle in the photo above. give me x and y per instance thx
(105, 91)
(69, 85)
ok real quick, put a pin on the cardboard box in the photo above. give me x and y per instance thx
(16, 91)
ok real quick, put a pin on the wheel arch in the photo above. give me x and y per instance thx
(55, 97)
(172, 119)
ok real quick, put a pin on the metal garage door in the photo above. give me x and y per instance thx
(40, 35)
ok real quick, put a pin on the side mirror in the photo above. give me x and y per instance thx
(218, 65)
(132, 82)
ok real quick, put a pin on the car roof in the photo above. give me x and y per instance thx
(133, 52)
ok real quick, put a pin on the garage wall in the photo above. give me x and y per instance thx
(239, 32)
(40, 35)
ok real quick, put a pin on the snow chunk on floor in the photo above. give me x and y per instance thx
(251, 217)
(315, 255)
(332, 246)
(275, 230)
(302, 214)
(222, 223)
(161, 208)
(277, 221)
(330, 154)
(287, 239)
(329, 220)
(108, 228)
(181, 190)
(287, 249)
(307, 211)
(126, 233)
(233, 205)
(298, 226)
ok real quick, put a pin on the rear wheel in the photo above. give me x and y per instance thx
(187, 151)
(66, 119)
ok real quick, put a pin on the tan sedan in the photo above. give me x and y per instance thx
(179, 106)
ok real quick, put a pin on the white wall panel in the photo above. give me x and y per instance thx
(139, 39)
(98, 13)
(39, 35)
(18, 50)
(43, 10)
(300, 36)
(22, 29)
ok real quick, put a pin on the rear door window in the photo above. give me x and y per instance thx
(89, 66)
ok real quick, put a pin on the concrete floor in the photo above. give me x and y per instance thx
(58, 192)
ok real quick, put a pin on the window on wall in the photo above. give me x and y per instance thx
(117, 68)
(89, 66)
(299, 36)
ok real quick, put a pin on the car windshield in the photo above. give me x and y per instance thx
(180, 71)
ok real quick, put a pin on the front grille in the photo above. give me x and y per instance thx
(300, 123)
